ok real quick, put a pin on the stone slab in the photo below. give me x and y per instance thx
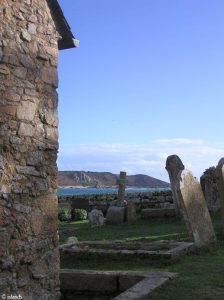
(137, 284)
(146, 286)
(194, 209)
(162, 252)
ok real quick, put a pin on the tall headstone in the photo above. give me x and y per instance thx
(209, 184)
(220, 179)
(194, 209)
(121, 188)
(173, 166)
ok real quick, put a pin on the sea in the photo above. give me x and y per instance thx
(65, 191)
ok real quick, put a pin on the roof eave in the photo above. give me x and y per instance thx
(67, 40)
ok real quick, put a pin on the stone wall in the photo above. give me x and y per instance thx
(29, 258)
(144, 200)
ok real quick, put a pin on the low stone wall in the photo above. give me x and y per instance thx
(162, 199)
(86, 285)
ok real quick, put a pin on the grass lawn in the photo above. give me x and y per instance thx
(200, 276)
(153, 230)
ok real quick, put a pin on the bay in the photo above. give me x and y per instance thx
(94, 191)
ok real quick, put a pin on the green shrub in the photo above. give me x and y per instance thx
(64, 214)
(79, 214)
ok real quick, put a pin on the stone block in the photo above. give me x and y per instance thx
(25, 36)
(32, 29)
(11, 95)
(49, 75)
(4, 70)
(27, 170)
(8, 109)
(51, 133)
(26, 110)
(35, 158)
(20, 72)
(26, 129)
(115, 215)
(49, 116)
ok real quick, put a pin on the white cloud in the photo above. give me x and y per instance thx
(147, 159)
(179, 141)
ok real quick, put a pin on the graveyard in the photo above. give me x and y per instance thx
(167, 245)
(199, 274)
(188, 245)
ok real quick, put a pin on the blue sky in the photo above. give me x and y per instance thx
(147, 81)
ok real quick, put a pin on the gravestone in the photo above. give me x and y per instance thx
(115, 215)
(173, 166)
(121, 188)
(194, 209)
(209, 184)
(131, 215)
(96, 218)
(220, 180)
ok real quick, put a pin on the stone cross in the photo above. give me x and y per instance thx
(121, 188)
(220, 179)
(173, 166)
(194, 209)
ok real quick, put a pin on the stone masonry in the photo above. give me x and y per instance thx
(29, 256)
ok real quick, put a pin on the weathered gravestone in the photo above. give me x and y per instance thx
(209, 184)
(173, 166)
(116, 214)
(220, 180)
(96, 218)
(194, 209)
(131, 215)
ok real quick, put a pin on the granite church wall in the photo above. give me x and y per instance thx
(29, 257)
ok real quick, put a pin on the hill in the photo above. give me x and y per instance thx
(106, 179)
